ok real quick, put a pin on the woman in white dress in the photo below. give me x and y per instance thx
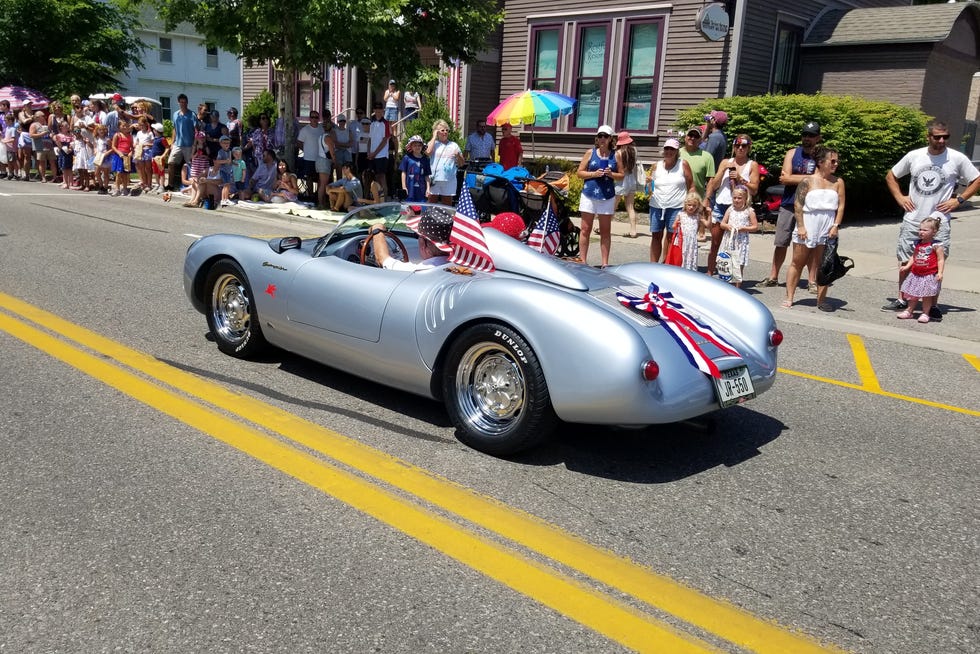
(819, 211)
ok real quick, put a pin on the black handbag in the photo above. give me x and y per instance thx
(833, 266)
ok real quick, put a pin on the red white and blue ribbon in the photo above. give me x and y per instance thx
(680, 325)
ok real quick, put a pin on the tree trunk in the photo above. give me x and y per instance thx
(288, 105)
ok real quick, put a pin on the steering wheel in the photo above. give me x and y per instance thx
(366, 245)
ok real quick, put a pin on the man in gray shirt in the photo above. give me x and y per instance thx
(716, 144)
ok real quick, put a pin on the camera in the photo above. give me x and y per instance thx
(708, 118)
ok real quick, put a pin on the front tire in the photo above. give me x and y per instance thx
(231, 312)
(495, 391)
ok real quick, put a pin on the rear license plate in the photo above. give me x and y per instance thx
(734, 386)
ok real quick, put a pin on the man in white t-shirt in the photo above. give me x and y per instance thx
(935, 171)
(380, 133)
(308, 141)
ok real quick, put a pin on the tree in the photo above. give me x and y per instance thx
(380, 36)
(60, 47)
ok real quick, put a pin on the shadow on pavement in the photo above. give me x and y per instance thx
(660, 453)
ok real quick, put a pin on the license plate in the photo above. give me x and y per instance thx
(734, 386)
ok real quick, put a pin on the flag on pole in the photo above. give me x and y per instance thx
(545, 236)
(469, 245)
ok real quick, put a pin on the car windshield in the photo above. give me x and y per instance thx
(392, 214)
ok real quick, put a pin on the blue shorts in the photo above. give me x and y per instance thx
(718, 212)
(659, 218)
(227, 176)
(391, 114)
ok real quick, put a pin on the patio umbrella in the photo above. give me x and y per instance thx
(528, 107)
(16, 95)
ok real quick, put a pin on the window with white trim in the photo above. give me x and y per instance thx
(612, 70)
(786, 58)
(166, 113)
(211, 56)
(166, 49)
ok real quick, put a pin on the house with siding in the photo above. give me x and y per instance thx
(633, 66)
(179, 61)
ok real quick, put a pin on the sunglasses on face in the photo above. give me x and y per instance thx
(741, 145)
(940, 137)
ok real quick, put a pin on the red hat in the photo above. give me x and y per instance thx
(509, 223)
(117, 97)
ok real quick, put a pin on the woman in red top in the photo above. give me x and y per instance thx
(122, 157)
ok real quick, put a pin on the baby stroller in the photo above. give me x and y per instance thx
(496, 191)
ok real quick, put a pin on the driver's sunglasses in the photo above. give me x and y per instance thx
(940, 137)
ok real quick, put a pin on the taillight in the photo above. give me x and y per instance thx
(775, 338)
(650, 370)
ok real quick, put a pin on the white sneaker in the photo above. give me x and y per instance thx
(225, 203)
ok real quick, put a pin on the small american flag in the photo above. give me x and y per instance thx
(545, 237)
(469, 245)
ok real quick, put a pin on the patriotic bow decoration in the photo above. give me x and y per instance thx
(680, 325)
(545, 236)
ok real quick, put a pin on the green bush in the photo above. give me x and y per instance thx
(431, 111)
(263, 103)
(870, 136)
(168, 128)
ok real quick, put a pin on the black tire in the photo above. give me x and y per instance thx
(495, 391)
(230, 311)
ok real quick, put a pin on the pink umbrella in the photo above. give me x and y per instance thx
(17, 95)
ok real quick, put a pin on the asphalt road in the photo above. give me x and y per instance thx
(158, 496)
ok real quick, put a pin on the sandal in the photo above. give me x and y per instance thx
(633, 235)
(905, 315)
(924, 318)
(786, 304)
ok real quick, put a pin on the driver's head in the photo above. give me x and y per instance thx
(428, 249)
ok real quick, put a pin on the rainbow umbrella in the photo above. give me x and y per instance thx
(528, 107)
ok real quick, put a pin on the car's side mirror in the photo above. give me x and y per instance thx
(280, 245)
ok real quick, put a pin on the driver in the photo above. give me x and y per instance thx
(432, 227)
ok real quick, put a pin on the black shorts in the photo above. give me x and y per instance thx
(306, 168)
(380, 165)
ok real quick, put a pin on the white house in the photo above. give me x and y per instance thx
(179, 62)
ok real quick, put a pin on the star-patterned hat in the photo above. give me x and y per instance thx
(436, 224)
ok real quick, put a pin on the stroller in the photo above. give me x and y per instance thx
(495, 190)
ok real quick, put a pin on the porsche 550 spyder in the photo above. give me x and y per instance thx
(511, 352)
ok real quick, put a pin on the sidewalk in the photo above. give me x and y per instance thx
(871, 244)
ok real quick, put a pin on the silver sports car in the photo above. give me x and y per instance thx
(510, 352)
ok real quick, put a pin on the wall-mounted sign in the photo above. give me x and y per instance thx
(713, 21)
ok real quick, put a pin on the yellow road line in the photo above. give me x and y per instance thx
(897, 396)
(712, 615)
(972, 360)
(592, 608)
(863, 362)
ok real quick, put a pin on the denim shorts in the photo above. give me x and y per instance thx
(659, 218)
(718, 213)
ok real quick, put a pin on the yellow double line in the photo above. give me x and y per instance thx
(568, 583)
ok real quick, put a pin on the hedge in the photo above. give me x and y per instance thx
(870, 136)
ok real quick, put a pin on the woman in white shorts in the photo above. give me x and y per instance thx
(599, 170)
(446, 158)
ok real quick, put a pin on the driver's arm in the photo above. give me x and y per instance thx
(380, 243)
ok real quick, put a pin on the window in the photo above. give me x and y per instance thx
(211, 56)
(590, 78)
(786, 59)
(304, 97)
(166, 49)
(166, 113)
(545, 54)
(211, 105)
(639, 76)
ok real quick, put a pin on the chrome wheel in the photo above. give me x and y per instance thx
(490, 388)
(495, 391)
(230, 308)
(230, 311)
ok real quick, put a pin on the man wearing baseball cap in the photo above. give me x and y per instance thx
(716, 144)
(701, 163)
(797, 164)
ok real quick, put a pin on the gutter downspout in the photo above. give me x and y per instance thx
(734, 55)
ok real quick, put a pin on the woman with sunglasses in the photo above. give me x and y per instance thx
(819, 209)
(737, 171)
(599, 170)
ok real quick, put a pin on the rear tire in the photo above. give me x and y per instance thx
(231, 312)
(495, 391)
